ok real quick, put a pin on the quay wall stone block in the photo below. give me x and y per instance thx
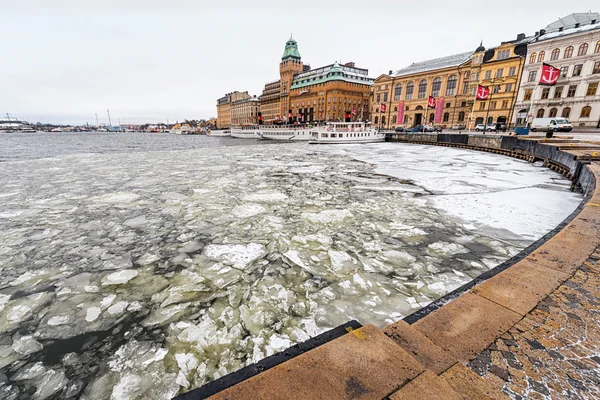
(452, 138)
(486, 141)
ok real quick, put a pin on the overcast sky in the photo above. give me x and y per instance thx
(63, 61)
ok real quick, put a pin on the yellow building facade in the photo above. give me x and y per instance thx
(270, 105)
(452, 81)
(224, 108)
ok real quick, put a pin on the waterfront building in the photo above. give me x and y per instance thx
(571, 44)
(270, 107)
(245, 111)
(452, 81)
(224, 107)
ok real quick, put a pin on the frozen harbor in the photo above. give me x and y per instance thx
(136, 274)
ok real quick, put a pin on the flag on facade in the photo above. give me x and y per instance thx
(483, 92)
(299, 116)
(382, 107)
(549, 75)
(431, 102)
(353, 111)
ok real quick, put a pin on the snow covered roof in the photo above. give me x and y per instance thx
(436, 63)
(572, 19)
(334, 72)
(570, 31)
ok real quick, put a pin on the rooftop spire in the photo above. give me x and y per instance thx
(291, 50)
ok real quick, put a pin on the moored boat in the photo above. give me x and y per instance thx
(285, 132)
(346, 132)
(219, 132)
(246, 132)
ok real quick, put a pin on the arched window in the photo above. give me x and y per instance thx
(446, 117)
(431, 117)
(585, 112)
(553, 112)
(566, 112)
(568, 52)
(394, 118)
(436, 86)
(451, 86)
(376, 119)
(597, 49)
(540, 113)
(582, 50)
(398, 92)
(555, 54)
(418, 107)
(541, 56)
(461, 116)
(532, 58)
(410, 88)
(422, 89)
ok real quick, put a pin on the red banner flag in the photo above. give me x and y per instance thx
(353, 111)
(431, 102)
(438, 110)
(382, 107)
(549, 75)
(400, 119)
(483, 92)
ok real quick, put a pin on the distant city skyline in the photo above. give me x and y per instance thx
(148, 62)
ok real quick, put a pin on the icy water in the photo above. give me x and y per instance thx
(137, 266)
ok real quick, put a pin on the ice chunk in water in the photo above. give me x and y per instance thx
(119, 277)
(92, 314)
(238, 256)
(49, 383)
(266, 197)
(26, 345)
(58, 320)
(248, 210)
(327, 216)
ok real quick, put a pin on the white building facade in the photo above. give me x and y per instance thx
(574, 48)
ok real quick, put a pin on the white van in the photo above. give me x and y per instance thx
(556, 124)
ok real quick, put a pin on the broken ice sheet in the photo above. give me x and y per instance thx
(154, 275)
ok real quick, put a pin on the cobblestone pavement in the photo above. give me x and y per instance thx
(554, 352)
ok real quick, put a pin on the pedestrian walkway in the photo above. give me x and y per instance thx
(554, 351)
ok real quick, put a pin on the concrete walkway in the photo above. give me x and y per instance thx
(555, 350)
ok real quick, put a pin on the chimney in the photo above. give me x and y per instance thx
(390, 72)
(542, 32)
(561, 28)
(536, 33)
(577, 25)
(593, 22)
(349, 64)
(521, 36)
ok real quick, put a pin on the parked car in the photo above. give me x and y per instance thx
(554, 124)
(459, 127)
(426, 129)
(484, 127)
(401, 129)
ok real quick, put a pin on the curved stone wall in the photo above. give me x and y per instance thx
(428, 349)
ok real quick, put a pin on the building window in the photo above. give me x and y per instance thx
(385, 97)
(585, 112)
(465, 87)
(463, 103)
(597, 49)
(528, 93)
(532, 75)
(482, 105)
(461, 116)
(564, 71)
(512, 71)
(596, 69)
(541, 56)
(488, 75)
(508, 87)
(422, 89)
(545, 93)
(500, 72)
(558, 92)
(505, 104)
(492, 105)
(582, 50)
(555, 54)
(566, 112)
(431, 117)
(568, 52)
(540, 113)
(592, 88)
(553, 112)
(447, 105)
(406, 119)
(451, 86)
(446, 117)
(577, 70)
(436, 86)
(532, 58)
(378, 98)
(410, 87)
(497, 88)
(571, 91)
(397, 92)
(376, 119)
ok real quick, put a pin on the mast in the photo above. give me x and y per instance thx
(97, 125)
(108, 112)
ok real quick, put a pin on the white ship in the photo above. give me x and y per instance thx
(182, 129)
(346, 132)
(285, 132)
(246, 132)
(220, 132)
